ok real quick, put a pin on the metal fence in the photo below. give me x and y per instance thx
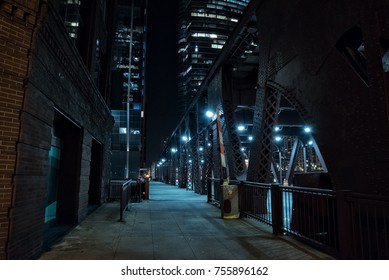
(214, 191)
(115, 190)
(368, 226)
(340, 223)
(125, 191)
(310, 214)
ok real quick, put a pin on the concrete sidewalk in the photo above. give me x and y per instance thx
(175, 224)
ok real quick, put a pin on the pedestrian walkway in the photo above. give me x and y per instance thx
(174, 224)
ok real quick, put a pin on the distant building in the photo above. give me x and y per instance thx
(55, 123)
(128, 140)
(204, 27)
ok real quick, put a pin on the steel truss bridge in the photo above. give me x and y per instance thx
(303, 99)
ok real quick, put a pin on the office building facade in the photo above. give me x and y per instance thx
(204, 27)
(128, 96)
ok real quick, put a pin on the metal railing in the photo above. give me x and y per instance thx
(214, 191)
(125, 191)
(125, 197)
(310, 215)
(115, 188)
(368, 226)
(341, 223)
(255, 201)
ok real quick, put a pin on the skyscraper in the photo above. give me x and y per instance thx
(204, 27)
(127, 103)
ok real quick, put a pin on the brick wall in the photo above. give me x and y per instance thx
(84, 180)
(40, 70)
(17, 19)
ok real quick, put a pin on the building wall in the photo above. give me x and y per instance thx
(204, 27)
(17, 24)
(42, 77)
(135, 95)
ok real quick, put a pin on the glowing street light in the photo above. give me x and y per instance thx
(209, 114)
(241, 127)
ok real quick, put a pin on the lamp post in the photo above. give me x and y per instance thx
(129, 91)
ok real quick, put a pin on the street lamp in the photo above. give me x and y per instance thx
(278, 138)
(209, 114)
(241, 127)
(277, 128)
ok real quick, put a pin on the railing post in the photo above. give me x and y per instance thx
(209, 190)
(221, 199)
(123, 201)
(240, 195)
(276, 208)
(345, 236)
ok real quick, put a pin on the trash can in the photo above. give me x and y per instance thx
(229, 204)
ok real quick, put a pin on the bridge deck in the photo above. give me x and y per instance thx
(174, 224)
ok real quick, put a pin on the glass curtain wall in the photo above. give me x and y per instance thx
(128, 88)
(204, 27)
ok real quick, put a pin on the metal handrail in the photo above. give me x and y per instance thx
(125, 197)
(339, 222)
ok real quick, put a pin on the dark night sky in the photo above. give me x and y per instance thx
(161, 75)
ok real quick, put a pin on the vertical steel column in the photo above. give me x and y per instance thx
(265, 117)
(172, 175)
(196, 170)
(216, 162)
(183, 168)
(181, 158)
(293, 160)
(235, 158)
(194, 147)
(189, 168)
(207, 166)
(319, 155)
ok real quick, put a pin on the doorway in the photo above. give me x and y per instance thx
(63, 179)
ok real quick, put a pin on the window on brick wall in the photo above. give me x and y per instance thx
(70, 12)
